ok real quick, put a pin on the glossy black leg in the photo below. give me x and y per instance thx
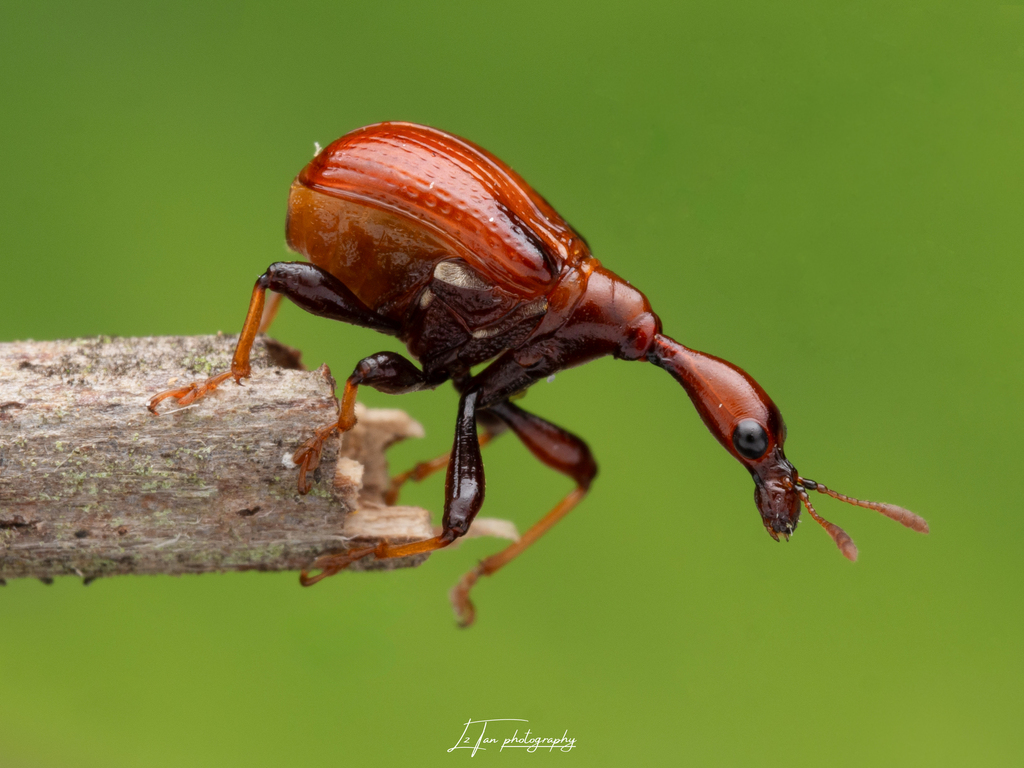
(492, 428)
(464, 484)
(322, 294)
(464, 494)
(387, 372)
(558, 449)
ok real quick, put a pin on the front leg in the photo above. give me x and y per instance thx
(464, 495)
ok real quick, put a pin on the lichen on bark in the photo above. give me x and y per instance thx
(92, 484)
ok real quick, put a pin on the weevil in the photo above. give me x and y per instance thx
(419, 234)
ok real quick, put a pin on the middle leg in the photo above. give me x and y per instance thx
(386, 372)
(492, 428)
(464, 495)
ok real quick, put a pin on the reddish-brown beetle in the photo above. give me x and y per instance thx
(422, 235)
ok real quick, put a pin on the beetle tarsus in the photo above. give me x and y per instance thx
(465, 611)
(189, 394)
(307, 457)
(329, 565)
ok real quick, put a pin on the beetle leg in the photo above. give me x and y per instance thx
(270, 312)
(560, 450)
(314, 289)
(322, 294)
(387, 372)
(492, 429)
(464, 495)
(240, 368)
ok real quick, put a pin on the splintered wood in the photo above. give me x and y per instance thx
(92, 484)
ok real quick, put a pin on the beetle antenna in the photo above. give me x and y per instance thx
(839, 536)
(842, 539)
(899, 514)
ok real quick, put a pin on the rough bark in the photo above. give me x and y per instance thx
(92, 484)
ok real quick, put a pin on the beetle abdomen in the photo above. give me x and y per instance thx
(379, 256)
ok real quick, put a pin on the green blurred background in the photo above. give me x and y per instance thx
(831, 197)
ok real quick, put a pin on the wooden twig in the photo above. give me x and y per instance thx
(92, 484)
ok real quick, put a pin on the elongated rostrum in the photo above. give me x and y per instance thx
(422, 235)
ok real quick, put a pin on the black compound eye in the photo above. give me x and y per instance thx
(750, 439)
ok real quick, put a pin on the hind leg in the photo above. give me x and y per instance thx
(270, 311)
(558, 449)
(315, 290)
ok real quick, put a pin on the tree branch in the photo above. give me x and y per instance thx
(92, 484)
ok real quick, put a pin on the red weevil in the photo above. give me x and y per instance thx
(419, 234)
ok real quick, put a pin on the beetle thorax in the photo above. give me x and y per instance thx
(615, 315)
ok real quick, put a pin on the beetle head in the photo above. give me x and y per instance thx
(747, 423)
(774, 494)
